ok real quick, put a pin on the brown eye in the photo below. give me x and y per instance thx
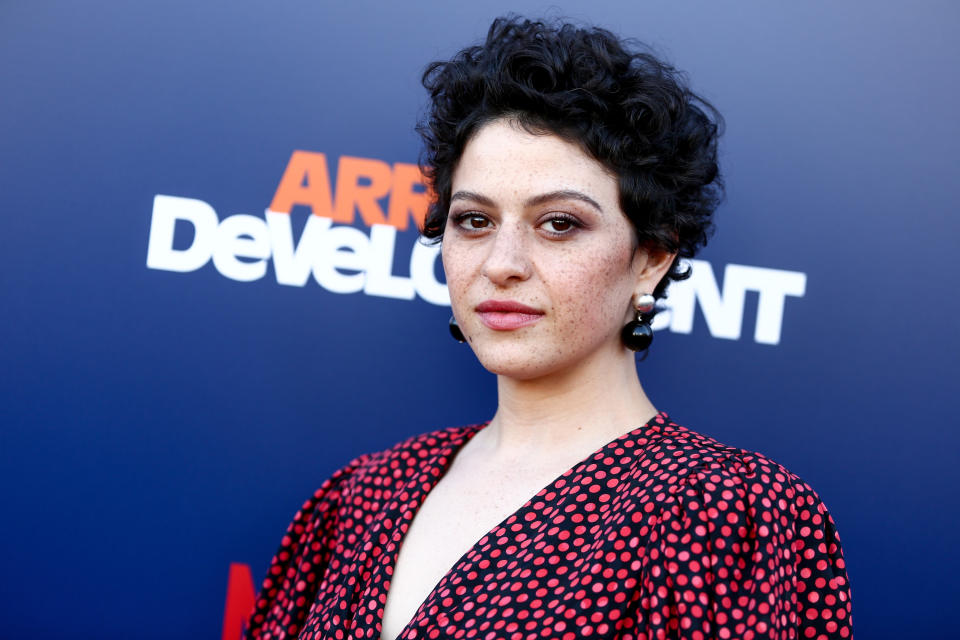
(468, 222)
(560, 226)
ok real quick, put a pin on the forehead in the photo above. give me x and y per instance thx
(502, 156)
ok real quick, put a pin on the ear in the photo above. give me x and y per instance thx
(650, 264)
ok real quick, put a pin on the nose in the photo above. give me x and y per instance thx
(508, 259)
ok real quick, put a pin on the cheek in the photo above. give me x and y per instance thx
(456, 269)
(594, 292)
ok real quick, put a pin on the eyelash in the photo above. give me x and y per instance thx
(460, 218)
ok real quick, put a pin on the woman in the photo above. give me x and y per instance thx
(570, 177)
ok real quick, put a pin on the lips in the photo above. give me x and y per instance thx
(507, 315)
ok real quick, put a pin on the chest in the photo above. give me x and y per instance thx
(457, 513)
(553, 541)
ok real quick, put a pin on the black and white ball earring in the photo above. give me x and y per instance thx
(637, 335)
(455, 330)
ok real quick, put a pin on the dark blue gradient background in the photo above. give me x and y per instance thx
(157, 426)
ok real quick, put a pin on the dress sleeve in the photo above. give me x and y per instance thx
(300, 563)
(746, 550)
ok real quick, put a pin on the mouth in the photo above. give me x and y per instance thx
(507, 315)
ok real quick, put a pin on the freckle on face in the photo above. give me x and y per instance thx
(583, 283)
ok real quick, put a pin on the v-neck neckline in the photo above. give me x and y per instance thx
(434, 473)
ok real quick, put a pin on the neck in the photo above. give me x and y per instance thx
(568, 411)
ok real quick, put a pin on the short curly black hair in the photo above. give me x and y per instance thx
(629, 110)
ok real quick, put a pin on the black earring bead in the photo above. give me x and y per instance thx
(455, 330)
(637, 335)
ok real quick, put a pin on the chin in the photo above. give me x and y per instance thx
(520, 362)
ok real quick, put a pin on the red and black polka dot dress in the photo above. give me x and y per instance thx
(662, 533)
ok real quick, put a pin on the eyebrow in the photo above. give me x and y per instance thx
(562, 194)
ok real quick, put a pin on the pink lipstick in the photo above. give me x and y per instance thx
(507, 315)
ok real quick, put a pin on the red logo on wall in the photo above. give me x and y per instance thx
(240, 600)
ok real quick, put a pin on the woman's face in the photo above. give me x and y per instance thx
(539, 259)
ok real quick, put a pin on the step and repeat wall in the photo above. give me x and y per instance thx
(213, 295)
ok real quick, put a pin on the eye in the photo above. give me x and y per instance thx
(477, 222)
(560, 225)
(472, 221)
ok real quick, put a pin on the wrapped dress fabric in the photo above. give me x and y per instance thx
(661, 533)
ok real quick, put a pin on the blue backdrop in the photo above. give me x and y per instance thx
(160, 424)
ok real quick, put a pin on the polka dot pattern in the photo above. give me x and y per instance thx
(661, 533)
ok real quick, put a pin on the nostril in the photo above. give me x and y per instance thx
(505, 262)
